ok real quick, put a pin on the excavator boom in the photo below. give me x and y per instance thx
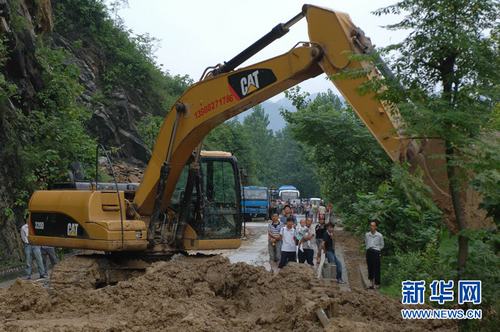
(191, 214)
(226, 92)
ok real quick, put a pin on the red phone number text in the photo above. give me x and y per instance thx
(213, 105)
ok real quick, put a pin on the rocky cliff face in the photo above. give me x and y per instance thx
(20, 23)
(113, 121)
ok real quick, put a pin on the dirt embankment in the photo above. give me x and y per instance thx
(354, 257)
(204, 294)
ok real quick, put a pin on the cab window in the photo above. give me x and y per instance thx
(221, 217)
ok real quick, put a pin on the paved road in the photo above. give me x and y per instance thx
(254, 251)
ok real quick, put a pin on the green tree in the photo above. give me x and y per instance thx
(347, 157)
(267, 158)
(128, 60)
(292, 164)
(230, 136)
(403, 206)
(56, 127)
(148, 128)
(447, 69)
(260, 137)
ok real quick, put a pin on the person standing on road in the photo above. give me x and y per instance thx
(273, 208)
(307, 210)
(280, 205)
(288, 243)
(307, 252)
(319, 230)
(274, 242)
(314, 211)
(322, 211)
(330, 217)
(30, 250)
(300, 232)
(374, 243)
(329, 248)
(287, 212)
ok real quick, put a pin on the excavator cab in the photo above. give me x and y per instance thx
(208, 199)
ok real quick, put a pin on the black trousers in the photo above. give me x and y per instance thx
(287, 256)
(373, 262)
(306, 255)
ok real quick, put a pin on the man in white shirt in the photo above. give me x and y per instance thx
(374, 243)
(28, 251)
(288, 243)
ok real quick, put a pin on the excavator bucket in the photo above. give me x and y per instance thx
(339, 39)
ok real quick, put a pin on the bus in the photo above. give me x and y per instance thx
(289, 194)
(255, 202)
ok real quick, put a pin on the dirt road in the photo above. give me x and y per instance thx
(210, 294)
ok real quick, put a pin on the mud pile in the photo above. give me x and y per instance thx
(126, 172)
(203, 294)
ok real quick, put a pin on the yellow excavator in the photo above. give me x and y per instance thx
(190, 199)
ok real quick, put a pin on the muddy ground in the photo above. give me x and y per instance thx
(205, 294)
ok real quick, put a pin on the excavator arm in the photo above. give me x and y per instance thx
(104, 219)
(225, 92)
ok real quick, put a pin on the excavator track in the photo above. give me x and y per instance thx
(91, 271)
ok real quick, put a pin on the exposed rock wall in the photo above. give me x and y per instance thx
(20, 22)
(113, 122)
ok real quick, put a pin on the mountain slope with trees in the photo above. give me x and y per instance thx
(71, 77)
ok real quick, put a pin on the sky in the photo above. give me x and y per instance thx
(196, 34)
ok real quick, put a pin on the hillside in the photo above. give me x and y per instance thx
(71, 78)
(273, 108)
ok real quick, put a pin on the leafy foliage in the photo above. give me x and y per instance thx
(343, 151)
(404, 209)
(56, 126)
(53, 134)
(483, 159)
(436, 261)
(267, 158)
(6, 89)
(449, 90)
(148, 129)
(413, 265)
(128, 60)
(230, 136)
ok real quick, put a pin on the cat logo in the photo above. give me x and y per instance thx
(246, 82)
(249, 83)
(72, 229)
